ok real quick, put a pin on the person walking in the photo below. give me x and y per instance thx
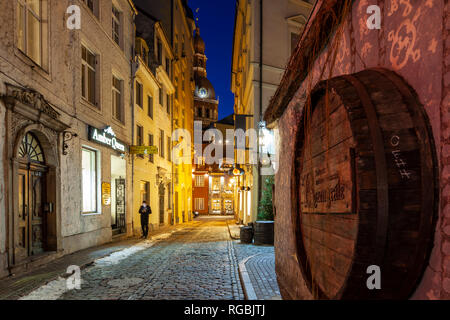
(144, 211)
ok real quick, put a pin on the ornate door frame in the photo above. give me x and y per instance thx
(28, 111)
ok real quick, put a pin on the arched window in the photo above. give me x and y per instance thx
(31, 149)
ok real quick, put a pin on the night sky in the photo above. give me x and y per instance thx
(216, 21)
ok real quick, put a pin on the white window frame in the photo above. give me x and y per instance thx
(98, 178)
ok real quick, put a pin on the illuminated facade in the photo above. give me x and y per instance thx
(259, 58)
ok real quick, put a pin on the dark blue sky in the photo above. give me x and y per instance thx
(216, 21)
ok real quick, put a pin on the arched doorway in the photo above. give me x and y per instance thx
(32, 204)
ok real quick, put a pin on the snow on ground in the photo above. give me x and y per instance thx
(56, 288)
(51, 291)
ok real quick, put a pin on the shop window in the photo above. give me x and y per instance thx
(89, 75)
(32, 27)
(90, 180)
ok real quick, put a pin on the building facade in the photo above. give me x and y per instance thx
(65, 129)
(264, 36)
(183, 108)
(152, 171)
(375, 187)
(205, 103)
(177, 22)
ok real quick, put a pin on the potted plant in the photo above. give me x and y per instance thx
(264, 227)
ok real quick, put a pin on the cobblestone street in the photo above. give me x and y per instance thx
(196, 261)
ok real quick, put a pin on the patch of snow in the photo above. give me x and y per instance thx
(51, 291)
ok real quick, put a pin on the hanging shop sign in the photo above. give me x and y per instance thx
(107, 137)
(106, 194)
(143, 150)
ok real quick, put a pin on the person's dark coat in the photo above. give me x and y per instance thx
(145, 212)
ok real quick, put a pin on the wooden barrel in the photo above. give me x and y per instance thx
(246, 234)
(264, 232)
(365, 180)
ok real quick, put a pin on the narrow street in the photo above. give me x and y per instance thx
(195, 261)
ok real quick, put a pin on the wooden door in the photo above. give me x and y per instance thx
(36, 222)
(21, 250)
(31, 217)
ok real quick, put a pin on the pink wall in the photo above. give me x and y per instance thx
(413, 42)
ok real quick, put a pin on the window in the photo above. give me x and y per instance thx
(32, 26)
(159, 52)
(168, 103)
(168, 67)
(118, 111)
(145, 192)
(90, 183)
(169, 149)
(88, 76)
(139, 135)
(199, 204)
(140, 138)
(90, 4)
(150, 106)
(161, 143)
(139, 94)
(151, 142)
(116, 25)
(161, 94)
(199, 181)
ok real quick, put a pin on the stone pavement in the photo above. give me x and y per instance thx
(197, 260)
(16, 286)
(257, 272)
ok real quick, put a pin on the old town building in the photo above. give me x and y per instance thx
(362, 183)
(183, 108)
(205, 102)
(65, 122)
(177, 22)
(152, 174)
(214, 185)
(264, 35)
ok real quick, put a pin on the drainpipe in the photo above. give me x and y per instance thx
(134, 67)
(172, 191)
(258, 196)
